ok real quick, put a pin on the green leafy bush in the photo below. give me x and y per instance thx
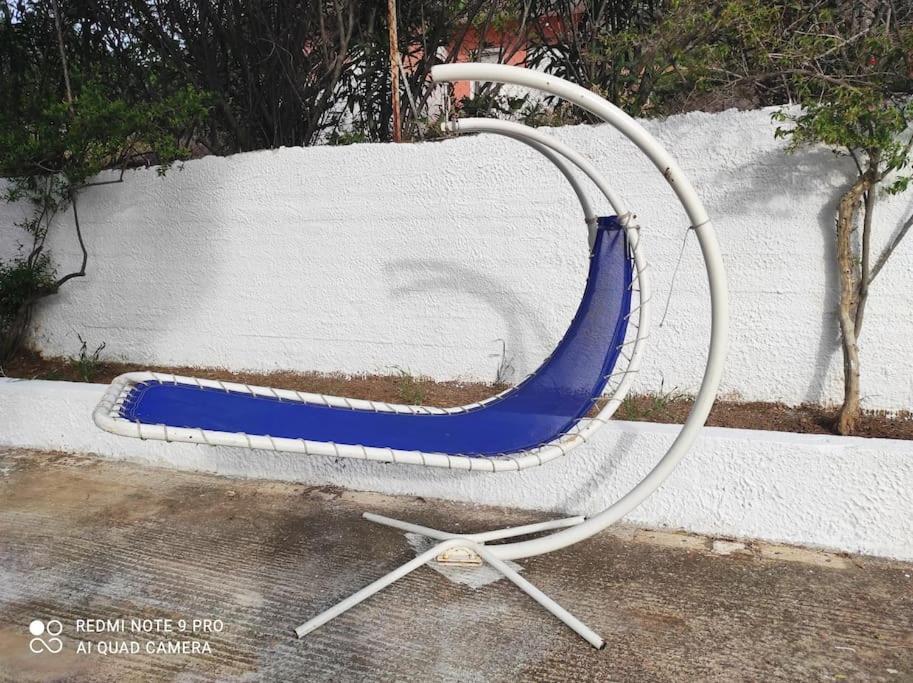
(61, 125)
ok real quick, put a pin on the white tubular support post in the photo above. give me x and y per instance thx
(700, 221)
(375, 587)
(581, 629)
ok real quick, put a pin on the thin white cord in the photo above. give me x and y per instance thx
(678, 263)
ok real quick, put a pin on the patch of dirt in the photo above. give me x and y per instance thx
(401, 388)
(406, 388)
(779, 417)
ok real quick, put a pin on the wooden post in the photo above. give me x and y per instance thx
(394, 70)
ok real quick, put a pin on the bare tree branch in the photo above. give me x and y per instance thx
(63, 54)
(82, 245)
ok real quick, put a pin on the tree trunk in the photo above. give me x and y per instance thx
(13, 334)
(394, 71)
(849, 293)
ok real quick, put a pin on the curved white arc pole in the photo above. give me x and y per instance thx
(593, 103)
(715, 272)
(703, 402)
(521, 132)
(589, 215)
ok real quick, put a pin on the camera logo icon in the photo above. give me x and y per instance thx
(45, 636)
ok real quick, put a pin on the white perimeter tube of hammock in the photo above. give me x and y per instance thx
(544, 143)
(519, 131)
(666, 165)
(589, 216)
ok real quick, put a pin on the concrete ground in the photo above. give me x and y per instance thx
(112, 551)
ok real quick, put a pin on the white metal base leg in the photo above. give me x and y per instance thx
(471, 542)
(483, 537)
(373, 588)
(569, 619)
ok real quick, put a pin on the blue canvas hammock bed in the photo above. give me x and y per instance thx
(556, 408)
(542, 408)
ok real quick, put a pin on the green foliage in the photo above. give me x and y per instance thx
(540, 114)
(87, 364)
(356, 135)
(847, 71)
(850, 72)
(842, 73)
(56, 151)
(99, 130)
(22, 281)
(409, 388)
(611, 48)
(72, 108)
(865, 125)
(661, 58)
(848, 67)
(650, 407)
(506, 368)
(491, 104)
(19, 282)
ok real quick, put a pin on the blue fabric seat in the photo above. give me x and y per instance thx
(541, 408)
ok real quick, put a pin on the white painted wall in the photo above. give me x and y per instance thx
(370, 257)
(843, 493)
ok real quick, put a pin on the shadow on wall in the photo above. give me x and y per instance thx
(800, 175)
(523, 323)
(829, 341)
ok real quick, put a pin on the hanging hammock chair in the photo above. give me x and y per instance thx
(574, 392)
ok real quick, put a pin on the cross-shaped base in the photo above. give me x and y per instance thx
(459, 548)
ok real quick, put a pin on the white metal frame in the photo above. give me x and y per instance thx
(565, 532)
(700, 222)
(107, 412)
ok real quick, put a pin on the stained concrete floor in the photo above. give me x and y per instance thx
(83, 538)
